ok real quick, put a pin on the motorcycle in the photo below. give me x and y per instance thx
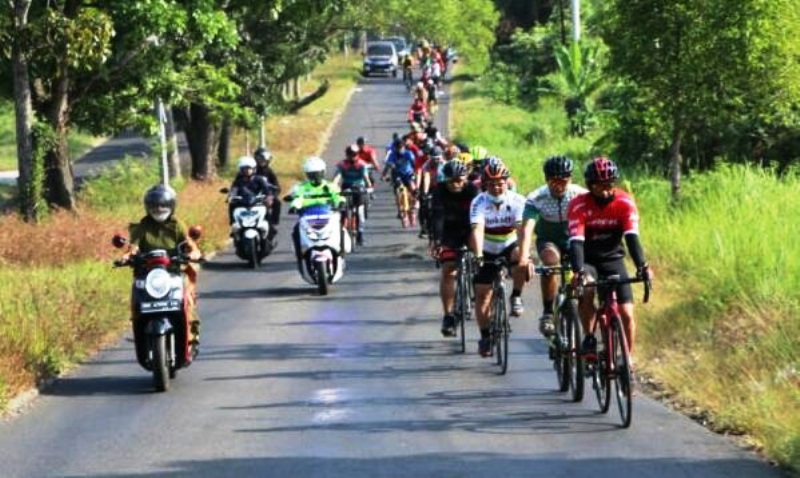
(161, 320)
(323, 245)
(250, 228)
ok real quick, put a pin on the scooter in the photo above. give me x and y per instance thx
(323, 245)
(161, 323)
(250, 228)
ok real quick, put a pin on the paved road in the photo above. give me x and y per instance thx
(358, 383)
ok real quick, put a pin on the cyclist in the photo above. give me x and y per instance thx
(546, 216)
(353, 174)
(479, 154)
(400, 165)
(598, 221)
(315, 190)
(369, 155)
(496, 220)
(263, 168)
(432, 174)
(450, 231)
(418, 112)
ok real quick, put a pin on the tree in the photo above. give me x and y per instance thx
(704, 64)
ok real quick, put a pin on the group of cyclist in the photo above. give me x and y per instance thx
(432, 62)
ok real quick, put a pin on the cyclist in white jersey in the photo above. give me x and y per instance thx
(496, 219)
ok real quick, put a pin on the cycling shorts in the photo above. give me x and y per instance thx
(451, 244)
(605, 269)
(407, 179)
(488, 271)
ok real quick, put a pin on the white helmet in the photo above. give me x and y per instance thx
(315, 170)
(246, 162)
(314, 164)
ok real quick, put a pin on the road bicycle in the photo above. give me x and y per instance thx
(404, 201)
(613, 360)
(499, 326)
(408, 78)
(464, 305)
(564, 344)
(352, 217)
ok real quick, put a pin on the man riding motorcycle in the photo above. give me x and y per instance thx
(263, 168)
(248, 184)
(161, 229)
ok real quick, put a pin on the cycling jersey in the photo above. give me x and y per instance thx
(451, 214)
(353, 173)
(499, 221)
(601, 227)
(369, 156)
(402, 164)
(435, 169)
(550, 213)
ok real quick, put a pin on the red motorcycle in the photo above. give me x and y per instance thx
(161, 310)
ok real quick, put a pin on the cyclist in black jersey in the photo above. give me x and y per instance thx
(451, 230)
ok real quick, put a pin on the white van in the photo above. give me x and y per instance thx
(380, 57)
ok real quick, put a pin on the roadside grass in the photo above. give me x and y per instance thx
(61, 299)
(79, 142)
(720, 339)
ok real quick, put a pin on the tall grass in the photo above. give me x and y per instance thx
(60, 298)
(721, 333)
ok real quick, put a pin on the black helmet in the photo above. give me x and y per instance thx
(262, 154)
(397, 144)
(557, 167)
(464, 147)
(361, 141)
(601, 170)
(159, 202)
(437, 152)
(428, 145)
(351, 151)
(454, 169)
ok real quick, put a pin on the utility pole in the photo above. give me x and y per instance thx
(576, 20)
(162, 132)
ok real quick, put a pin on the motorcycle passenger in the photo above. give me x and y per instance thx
(263, 168)
(496, 219)
(450, 231)
(598, 222)
(161, 229)
(546, 216)
(353, 174)
(314, 191)
(248, 184)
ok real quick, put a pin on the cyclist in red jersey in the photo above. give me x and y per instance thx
(598, 222)
(369, 155)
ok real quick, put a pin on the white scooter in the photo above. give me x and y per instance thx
(250, 228)
(323, 245)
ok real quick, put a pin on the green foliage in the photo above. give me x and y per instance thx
(121, 185)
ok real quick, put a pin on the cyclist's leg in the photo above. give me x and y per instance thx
(624, 298)
(586, 307)
(447, 282)
(519, 276)
(483, 292)
(549, 256)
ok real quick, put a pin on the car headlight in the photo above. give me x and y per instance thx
(157, 283)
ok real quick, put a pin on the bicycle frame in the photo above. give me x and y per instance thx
(499, 326)
(464, 301)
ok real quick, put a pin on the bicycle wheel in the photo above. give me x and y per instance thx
(463, 306)
(505, 330)
(574, 360)
(601, 372)
(622, 371)
(559, 346)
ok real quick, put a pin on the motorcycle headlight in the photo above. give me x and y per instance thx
(157, 283)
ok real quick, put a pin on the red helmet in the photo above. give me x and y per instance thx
(601, 170)
(495, 170)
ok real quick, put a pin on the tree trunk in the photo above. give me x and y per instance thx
(173, 153)
(675, 160)
(201, 134)
(28, 184)
(223, 149)
(59, 181)
(296, 88)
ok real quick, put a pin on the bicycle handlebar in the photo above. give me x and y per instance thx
(616, 280)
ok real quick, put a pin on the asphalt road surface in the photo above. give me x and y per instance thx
(358, 383)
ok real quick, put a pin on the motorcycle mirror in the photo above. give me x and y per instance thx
(224, 190)
(195, 232)
(119, 241)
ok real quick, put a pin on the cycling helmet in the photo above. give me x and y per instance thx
(437, 152)
(397, 144)
(261, 154)
(601, 170)
(351, 151)
(452, 151)
(361, 141)
(479, 153)
(246, 162)
(428, 145)
(464, 147)
(159, 202)
(557, 167)
(495, 170)
(454, 169)
(493, 160)
(314, 168)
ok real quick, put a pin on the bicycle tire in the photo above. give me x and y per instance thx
(601, 372)
(463, 306)
(576, 363)
(560, 345)
(622, 372)
(505, 330)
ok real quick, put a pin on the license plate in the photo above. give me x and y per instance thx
(160, 306)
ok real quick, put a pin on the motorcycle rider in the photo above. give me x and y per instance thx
(161, 229)
(353, 173)
(315, 190)
(247, 184)
(263, 168)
